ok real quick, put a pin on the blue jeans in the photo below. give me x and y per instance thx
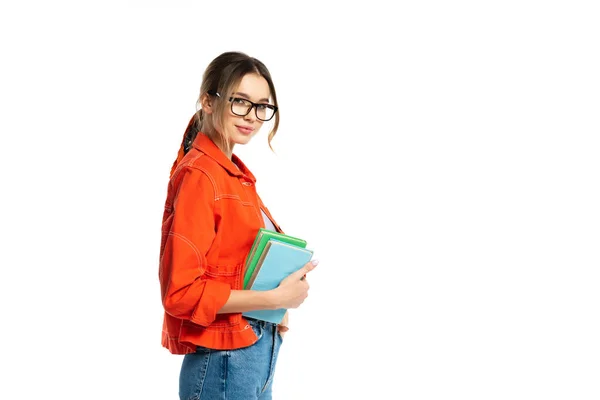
(243, 374)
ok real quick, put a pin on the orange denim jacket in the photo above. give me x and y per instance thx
(211, 217)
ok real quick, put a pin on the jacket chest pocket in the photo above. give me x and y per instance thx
(240, 213)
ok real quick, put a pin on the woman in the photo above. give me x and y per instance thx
(212, 214)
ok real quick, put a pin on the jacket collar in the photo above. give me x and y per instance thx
(208, 147)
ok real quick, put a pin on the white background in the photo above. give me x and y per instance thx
(441, 158)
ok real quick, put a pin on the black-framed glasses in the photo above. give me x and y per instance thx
(242, 107)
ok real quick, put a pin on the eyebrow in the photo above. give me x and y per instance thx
(248, 97)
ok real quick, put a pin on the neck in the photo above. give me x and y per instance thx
(217, 139)
(223, 148)
(219, 142)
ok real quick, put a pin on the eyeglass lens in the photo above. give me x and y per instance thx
(242, 107)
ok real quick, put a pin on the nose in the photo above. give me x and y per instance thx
(251, 116)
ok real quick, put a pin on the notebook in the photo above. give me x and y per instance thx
(279, 260)
(260, 242)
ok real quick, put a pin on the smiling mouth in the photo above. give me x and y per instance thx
(245, 130)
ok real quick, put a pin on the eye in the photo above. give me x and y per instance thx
(237, 100)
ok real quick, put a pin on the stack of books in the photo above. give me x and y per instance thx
(272, 258)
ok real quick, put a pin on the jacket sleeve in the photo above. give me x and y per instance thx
(187, 234)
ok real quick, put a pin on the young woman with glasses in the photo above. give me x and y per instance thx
(211, 217)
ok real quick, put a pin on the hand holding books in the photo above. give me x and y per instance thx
(277, 263)
(292, 291)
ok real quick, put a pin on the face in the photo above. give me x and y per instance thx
(240, 129)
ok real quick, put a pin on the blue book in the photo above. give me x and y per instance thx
(278, 261)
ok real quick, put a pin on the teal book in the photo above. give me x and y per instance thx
(279, 260)
(260, 242)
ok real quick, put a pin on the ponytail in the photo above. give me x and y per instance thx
(188, 138)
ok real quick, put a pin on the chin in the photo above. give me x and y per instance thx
(238, 138)
(242, 139)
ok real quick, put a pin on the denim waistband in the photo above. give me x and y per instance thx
(255, 321)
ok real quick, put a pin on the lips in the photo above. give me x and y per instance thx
(244, 129)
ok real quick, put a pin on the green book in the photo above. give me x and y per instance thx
(260, 241)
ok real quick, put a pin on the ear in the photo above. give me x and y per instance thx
(206, 102)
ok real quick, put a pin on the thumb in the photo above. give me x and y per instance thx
(309, 266)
